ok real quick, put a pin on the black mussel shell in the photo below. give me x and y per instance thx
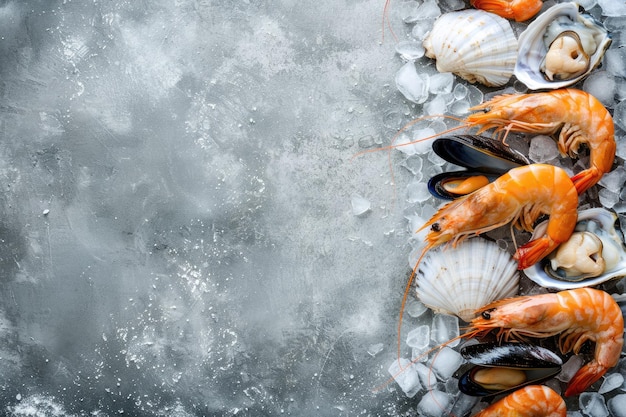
(534, 363)
(478, 153)
(481, 155)
(436, 184)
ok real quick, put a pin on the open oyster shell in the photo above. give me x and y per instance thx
(560, 47)
(556, 271)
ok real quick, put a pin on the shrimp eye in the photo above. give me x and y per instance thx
(435, 227)
(486, 314)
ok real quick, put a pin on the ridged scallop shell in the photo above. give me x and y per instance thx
(533, 49)
(459, 280)
(477, 46)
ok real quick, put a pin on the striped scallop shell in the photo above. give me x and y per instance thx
(477, 46)
(459, 280)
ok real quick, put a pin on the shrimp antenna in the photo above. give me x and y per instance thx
(387, 21)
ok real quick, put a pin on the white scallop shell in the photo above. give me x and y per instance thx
(477, 46)
(602, 223)
(463, 279)
(532, 48)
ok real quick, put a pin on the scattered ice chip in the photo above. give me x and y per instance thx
(452, 4)
(613, 7)
(413, 86)
(434, 404)
(360, 205)
(460, 91)
(406, 376)
(617, 405)
(474, 95)
(417, 192)
(444, 328)
(410, 50)
(570, 368)
(619, 114)
(587, 4)
(421, 29)
(460, 107)
(542, 149)
(446, 362)
(427, 377)
(419, 337)
(414, 164)
(441, 83)
(375, 349)
(611, 382)
(428, 10)
(601, 85)
(415, 308)
(592, 404)
(614, 180)
(463, 404)
(608, 198)
(436, 106)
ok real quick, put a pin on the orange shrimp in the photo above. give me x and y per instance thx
(576, 315)
(578, 117)
(530, 401)
(521, 196)
(520, 10)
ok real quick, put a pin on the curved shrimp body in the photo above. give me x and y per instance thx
(519, 196)
(578, 117)
(519, 10)
(530, 401)
(576, 315)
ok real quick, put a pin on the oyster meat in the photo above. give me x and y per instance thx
(477, 46)
(560, 47)
(595, 253)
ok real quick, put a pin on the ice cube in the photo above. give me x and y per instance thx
(410, 50)
(611, 382)
(434, 404)
(601, 85)
(612, 7)
(414, 164)
(419, 337)
(360, 205)
(413, 86)
(427, 378)
(441, 83)
(446, 362)
(569, 368)
(428, 10)
(417, 192)
(460, 107)
(415, 308)
(452, 4)
(587, 4)
(542, 149)
(615, 62)
(445, 327)
(619, 114)
(608, 198)
(614, 180)
(463, 404)
(592, 404)
(436, 106)
(617, 405)
(406, 376)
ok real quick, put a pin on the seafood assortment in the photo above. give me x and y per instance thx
(560, 47)
(475, 45)
(458, 272)
(520, 196)
(461, 280)
(575, 315)
(576, 116)
(594, 254)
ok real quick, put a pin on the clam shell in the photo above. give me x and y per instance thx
(533, 49)
(459, 280)
(477, 46)
(600, 222)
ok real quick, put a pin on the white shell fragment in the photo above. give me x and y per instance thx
(477, 46)
(560, 47)
(559, 271)
(459, 280)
